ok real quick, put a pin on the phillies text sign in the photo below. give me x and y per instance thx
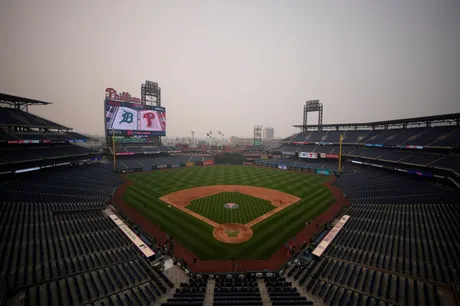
(123, 96)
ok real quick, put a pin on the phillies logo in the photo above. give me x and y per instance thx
(231, 205)
(149, 117)
(124, 96)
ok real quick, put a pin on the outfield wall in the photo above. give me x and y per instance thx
(264, 163)
(282, 166)
(209, 162)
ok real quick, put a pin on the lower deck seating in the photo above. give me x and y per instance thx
(191, 293)
(57, 247)
(154, 161)
(397, 248)
(281, 292)
(236, 291)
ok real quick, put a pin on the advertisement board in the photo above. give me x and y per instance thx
(130, 119)
(318, 251)
(310, 155)
(282, 167)
(208, 162)
(189, 164)
(329, 156)
(25, 141)
(162, 166)
(132, 236)
(323, 172)
(175, 166)
(288, 153)
(414, 147)
(124, 153)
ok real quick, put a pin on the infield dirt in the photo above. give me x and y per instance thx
(180, 199)
(203, 266)
(221, 233)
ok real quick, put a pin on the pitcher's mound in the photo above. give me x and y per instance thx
(232, 233)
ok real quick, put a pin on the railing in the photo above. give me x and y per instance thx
(456, 290)
(3, 293)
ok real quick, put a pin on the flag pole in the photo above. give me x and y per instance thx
(340, 154)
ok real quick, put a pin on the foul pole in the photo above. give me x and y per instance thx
(340, 154)
(114, 152)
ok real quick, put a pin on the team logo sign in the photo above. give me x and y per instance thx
(231, 205)
(126, 117)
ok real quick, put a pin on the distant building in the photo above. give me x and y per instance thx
(246, 141)
(269, 133)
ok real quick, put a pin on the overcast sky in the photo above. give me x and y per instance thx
(228, 65)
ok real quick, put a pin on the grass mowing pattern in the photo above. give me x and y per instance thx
(269, 235)
(212, 207)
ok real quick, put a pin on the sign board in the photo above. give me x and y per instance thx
(123, 96)
(133, 237)
(319, 250)
(310, 155)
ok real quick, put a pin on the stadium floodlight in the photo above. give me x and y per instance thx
(313, 106)
(151, 93)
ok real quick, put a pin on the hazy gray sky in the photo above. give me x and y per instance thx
(228, 65)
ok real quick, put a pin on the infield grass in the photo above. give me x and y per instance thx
(212, 207)
(269, 235)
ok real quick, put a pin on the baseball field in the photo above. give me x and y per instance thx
(224, 212)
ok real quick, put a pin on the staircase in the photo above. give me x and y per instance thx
(304, 293)
(300, 288)
(263, 292)
(209, 297)
(164, 298)
(175, 275)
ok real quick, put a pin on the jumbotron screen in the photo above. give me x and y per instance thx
(129, 119)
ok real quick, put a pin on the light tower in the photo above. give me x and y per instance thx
(151, 93)
(313, 106)
(257, 135)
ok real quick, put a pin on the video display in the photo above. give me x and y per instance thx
(129, 119)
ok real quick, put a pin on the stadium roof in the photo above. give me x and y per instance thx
(15, 100)
(436, 118)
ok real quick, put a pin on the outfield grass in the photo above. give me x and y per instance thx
(269, 235)
(212, 207)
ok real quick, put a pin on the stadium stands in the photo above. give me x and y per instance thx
(153, 160)
(281, 292)
(191, 293)
(408, 157)
(445, 136)
(415, 146)
(142, 149)
(236, 291)
(398, 246)
(41, 153)
(59, 248)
